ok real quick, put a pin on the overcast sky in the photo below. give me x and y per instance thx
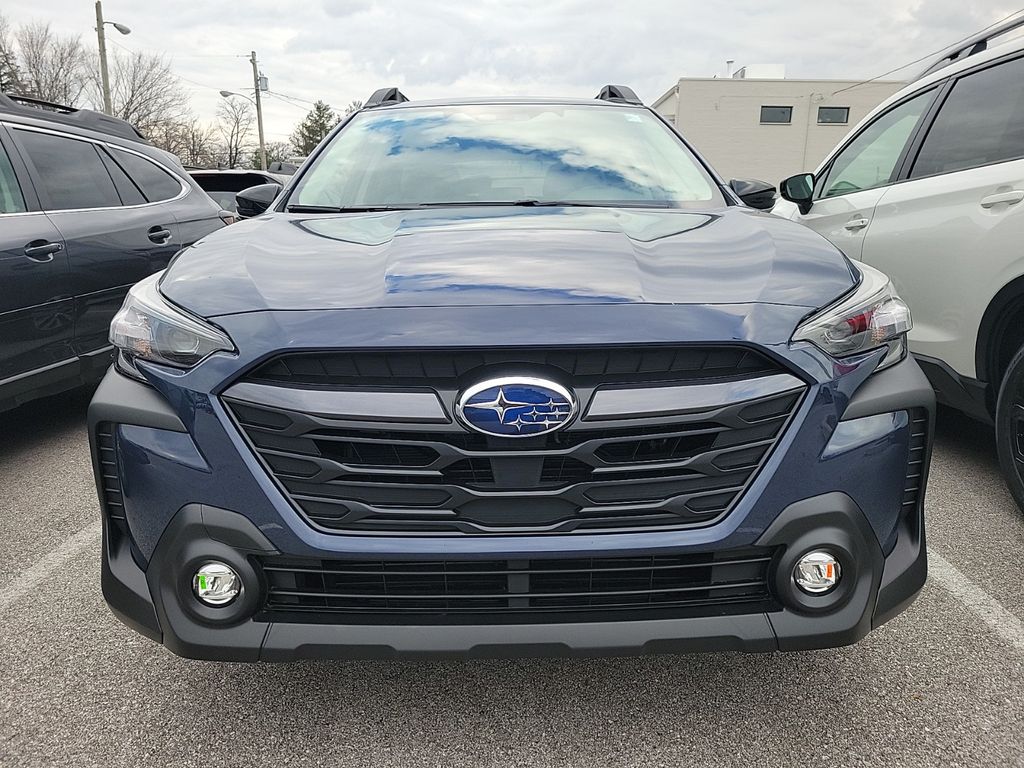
(340, 50)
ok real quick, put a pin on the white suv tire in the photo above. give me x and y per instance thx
(1010, 426)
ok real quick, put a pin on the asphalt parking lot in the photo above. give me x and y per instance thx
(941, 684)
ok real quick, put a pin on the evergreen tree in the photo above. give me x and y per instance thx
(311, 131)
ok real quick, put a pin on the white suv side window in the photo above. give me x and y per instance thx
(980, 123)
(870, 159)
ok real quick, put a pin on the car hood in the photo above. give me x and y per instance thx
(506, 256)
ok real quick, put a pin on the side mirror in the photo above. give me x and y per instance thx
(756, 194)
(798, 189)
(255, 200)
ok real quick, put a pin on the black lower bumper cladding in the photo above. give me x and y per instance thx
(160, 603)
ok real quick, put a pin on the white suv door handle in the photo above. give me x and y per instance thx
(1011, 197)
(854, 224)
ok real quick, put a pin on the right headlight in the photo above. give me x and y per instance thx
(871, 317)
(148, 327)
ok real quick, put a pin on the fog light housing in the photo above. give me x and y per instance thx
(817, 572)
(216, 584)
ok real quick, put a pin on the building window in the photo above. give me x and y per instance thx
(779, 115)
(833, 115)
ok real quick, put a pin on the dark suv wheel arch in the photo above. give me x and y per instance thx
(1000, 336)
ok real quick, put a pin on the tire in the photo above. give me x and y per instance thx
(1010, 427)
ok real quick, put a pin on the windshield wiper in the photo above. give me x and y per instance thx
(534, 203)
(529, 203)
(298, 208)
(526, 203)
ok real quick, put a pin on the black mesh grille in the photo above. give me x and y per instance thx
(473, 472)
(444, 480)
(351, 591)
(443, 368)
(378, 454)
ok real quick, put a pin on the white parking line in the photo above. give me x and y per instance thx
(30, 578)
(976, 600)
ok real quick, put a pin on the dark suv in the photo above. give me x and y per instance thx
(510, 377)
(87, 208)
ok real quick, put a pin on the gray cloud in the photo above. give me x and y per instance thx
(341, 50)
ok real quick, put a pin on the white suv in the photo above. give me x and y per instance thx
(929, 188)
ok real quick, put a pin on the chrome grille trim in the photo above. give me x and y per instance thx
(642, 402)
(362, 405)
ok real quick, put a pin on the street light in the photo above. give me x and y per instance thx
(100, 35)
(259, 121)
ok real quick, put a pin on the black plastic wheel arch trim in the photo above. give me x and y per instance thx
(121, 400)
(899, 388)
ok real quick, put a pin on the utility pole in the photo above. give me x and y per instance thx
(101, 36)
(103, 58)
(259, 106)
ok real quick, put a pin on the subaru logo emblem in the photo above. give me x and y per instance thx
(516, 407)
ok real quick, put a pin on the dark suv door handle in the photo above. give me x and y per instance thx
(42, 250)
(159, 235)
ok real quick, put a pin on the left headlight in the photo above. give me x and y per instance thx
(872, 316)
(148, 327)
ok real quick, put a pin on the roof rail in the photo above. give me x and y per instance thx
(972, 45)
(384, 96)
(26, 106)
(620, 94)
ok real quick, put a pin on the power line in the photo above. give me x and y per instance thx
(933, 53)
(286, 97)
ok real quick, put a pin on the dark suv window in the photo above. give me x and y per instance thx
(156, 184)
(981, 122)
(11, 199)
(71, 174)
(127, 189)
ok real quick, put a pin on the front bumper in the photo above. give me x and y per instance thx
(146, 573)
(159, 604)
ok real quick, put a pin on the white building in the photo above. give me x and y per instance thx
(758, 124)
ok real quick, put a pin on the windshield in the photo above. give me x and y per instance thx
(505, 154)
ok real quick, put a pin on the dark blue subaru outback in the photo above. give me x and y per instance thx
(510, 377)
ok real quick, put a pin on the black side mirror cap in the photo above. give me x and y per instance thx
(799, 189)
(755, 193)
(256, 200)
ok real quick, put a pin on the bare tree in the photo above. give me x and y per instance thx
(200, 144)
(52, 66)
(194, 143)
(235, 120)
(10, 72)
(353, 106)
(143, 90)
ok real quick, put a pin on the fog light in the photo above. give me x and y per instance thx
(216, 584)
(817, 572)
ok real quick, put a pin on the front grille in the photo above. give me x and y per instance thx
(359, 477)
(110, 478)
(505, 591)
(443, 368)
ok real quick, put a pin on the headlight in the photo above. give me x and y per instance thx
(872, 316)
(147, 327)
